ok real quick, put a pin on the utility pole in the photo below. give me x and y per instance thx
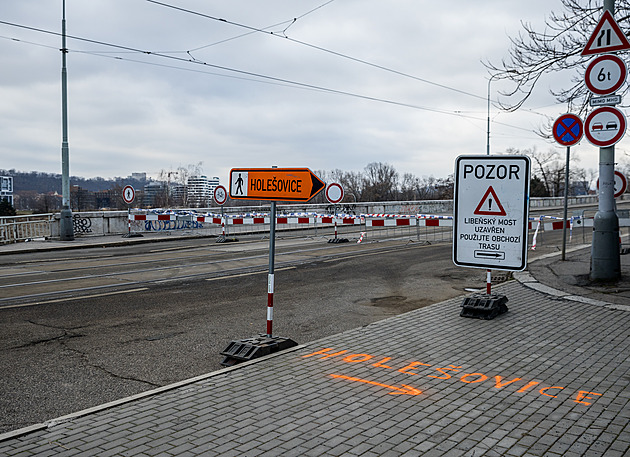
(605, 260)
(66, 230)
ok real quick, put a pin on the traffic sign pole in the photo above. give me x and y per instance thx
(271, 278)
(275, 184)
(566, 204)
(605, 260)
(128, 196)
(567, 130)
(220, 197)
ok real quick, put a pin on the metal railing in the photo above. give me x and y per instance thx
(22, 228)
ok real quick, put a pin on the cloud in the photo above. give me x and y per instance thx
(132, 112)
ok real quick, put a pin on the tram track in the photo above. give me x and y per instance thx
(70, 282)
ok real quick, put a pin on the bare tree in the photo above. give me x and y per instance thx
(556, 48)
(409, 186)
(352, 183)
(380, 182)
(177, 180)
(548, 169)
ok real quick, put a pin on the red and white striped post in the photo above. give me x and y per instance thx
(270, 287)
(488, 281)
(270, 280)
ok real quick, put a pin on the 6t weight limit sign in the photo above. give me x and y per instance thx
(491, 212)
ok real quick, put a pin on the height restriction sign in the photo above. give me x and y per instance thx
(491, 212)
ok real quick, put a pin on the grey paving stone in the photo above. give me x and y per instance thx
(307, 409)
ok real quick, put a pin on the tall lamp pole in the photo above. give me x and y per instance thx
(488, 129)
(66, 230)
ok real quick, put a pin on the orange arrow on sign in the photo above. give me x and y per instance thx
(274, 184)
(405, 390)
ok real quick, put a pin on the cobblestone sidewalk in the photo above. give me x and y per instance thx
(549, 378)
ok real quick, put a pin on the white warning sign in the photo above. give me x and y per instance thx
(491, 211)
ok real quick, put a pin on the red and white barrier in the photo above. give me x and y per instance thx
(435, 222)
(248, 220)
(341, 220)
(153, 217)
(556, 225)
(390, 222)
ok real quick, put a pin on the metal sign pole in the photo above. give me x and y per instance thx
(271, 278)
(335, 212)
(270, 281)
(605, 260)
(489, 281)
(566, 204)
(222, 222)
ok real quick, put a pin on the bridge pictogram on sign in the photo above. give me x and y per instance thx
(490, 205)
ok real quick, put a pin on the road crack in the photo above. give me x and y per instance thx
(86, 358)
(68, 334)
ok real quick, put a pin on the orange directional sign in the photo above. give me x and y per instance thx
(274, 184)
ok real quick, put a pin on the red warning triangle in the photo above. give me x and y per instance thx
(490, 205)
(607, 37)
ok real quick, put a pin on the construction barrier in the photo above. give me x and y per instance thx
(538, 224)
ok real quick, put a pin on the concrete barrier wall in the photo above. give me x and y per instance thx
(98, 223)
(548, 202)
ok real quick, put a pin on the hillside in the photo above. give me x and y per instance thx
(44, 183)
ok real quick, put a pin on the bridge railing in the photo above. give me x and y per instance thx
(22, 228)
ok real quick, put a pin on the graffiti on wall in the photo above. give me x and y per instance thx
(81, 224)
(158, 226)
(342, 209)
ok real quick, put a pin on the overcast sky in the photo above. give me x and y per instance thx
(348, 83)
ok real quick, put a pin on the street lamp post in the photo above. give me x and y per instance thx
(488, 129)
(66, 230)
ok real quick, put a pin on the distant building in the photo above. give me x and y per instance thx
(179, 193)
(214, 182)
(155, 194)
(201, 190)
(139, 176)
(81, 199)
(6, 189)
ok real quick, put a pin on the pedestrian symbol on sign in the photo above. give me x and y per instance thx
(490, 205)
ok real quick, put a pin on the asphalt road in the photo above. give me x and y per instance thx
(86, 348)
(81, 328)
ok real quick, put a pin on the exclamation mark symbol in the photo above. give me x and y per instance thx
(489, 204)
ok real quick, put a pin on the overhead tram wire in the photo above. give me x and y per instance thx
(288, 82)
(319, 48)
(251, 32)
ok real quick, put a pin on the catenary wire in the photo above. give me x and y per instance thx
(252, 74)
(319, 48)
(253, 30)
